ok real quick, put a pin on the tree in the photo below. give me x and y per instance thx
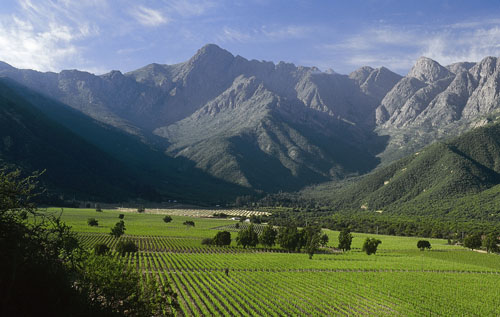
(345, 239)
(121, 216)
(188, 223)
(491, 242)
(288, 238)
(127, 246)
(323, 240)
(37, 254)
(473, 241)
(92, 222)
(312, 244)
(370, 245)
(98, 208)
(167, 219)
(247, 237)
(222, 238)
(141, 209)
(268, 236)
(423, 244)
(118, 230)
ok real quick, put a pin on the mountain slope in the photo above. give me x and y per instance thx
(144, 165)
(432, 181)
(268, 127)
(73, 167)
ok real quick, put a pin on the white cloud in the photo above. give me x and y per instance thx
(397, 48)
(44, 35)
(148, 16)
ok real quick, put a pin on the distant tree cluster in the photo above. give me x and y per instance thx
(167, 219)
(188, 223)
(292, 239)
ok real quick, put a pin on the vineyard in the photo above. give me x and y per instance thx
(199, 212)
(398, 280)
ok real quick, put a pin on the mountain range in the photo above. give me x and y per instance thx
(220, 125)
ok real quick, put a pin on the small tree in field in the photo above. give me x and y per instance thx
(118, 230)
(370, 245)
(268, 236)
(167, 219)
(92, 222)
(423, 244)
(473, 241)
(491, 242)
(247, 237)
(312, 244)
(121, 216)
(188, 223)
(345, 239)
(222, 238)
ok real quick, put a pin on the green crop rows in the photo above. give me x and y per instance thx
(398, 280)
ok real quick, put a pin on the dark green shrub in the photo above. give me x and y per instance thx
(92, 222)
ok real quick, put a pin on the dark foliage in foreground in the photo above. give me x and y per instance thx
(45, 272)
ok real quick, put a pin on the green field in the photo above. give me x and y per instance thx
(398, 280)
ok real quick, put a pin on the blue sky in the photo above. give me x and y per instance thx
(102, 35)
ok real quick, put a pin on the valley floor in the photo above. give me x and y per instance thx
(398, 280)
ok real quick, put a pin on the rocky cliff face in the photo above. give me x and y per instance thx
(434, 102)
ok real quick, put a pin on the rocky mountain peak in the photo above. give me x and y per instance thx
(210, 53)
(114, 74)
(485, 68)
(428, 70)
(361, 74)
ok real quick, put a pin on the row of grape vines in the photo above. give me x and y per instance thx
(259, 292)
(261, 283)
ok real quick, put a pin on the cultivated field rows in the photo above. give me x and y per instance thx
(399, 280)
(198, 212)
